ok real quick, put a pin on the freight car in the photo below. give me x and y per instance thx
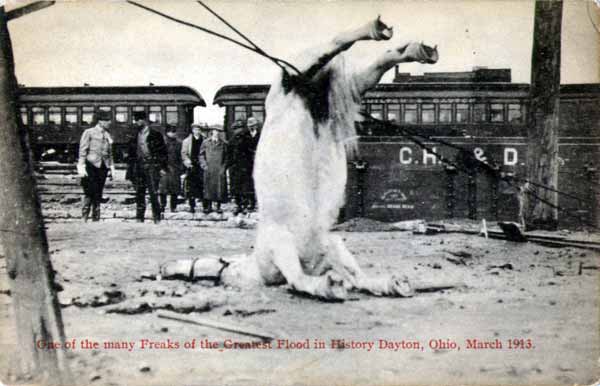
(56, 116)
(481, 111)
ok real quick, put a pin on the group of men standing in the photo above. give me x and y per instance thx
(156, 164)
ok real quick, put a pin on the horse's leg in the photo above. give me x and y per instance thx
(409, 52)
(283, 254)
(345, 265)
(316, 58)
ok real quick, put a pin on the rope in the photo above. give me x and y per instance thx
(256, 50)
(256, 47)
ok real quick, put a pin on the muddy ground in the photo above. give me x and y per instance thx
(504, 290)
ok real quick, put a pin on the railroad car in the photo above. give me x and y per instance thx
(398, 173)
(56, 116)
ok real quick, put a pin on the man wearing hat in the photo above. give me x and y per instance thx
(190, 156)
(149, 164)
(243, 151)
(95, 163)
(170, 184)
(213, 160)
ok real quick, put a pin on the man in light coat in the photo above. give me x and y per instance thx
(95, 163)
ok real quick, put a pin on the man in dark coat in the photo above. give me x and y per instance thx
(190, 157)
(243, 150)
(170, 183)
(148, 156)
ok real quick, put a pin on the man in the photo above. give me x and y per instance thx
(149, 164)
(213, 160)
(170, 184)
(190, 156)
(95, 164)
(243, 150)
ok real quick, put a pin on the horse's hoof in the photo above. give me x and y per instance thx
(419, 52)
(400, 287)
(335, 290)
(380, 31)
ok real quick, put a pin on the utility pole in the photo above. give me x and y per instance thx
(540, 206)
(22, 233)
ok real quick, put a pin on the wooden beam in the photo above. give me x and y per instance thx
(23, 237)
(27, 9)
(241, 330)
(539, 204)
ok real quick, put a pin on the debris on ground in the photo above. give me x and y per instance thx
(96, 297)
(508, 266)
(361, 224)
(409, 225)
(247, 313)
(185, 304)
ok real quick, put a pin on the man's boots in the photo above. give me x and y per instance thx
(139, 214)
(96, 212)
(85, 210)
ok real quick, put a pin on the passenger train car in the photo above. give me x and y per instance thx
(56, 116)
(395, 177)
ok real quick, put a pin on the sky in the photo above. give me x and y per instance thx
(110, 42)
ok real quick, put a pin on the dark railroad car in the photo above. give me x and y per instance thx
(56, 116)
(482, 112)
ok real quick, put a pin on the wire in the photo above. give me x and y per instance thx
(587, 8)
(461, 149)
(276, 60)
(257, 48)
(509, 179)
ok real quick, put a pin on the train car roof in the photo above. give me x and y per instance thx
(258, 92)
(241, 92)
(174, 94)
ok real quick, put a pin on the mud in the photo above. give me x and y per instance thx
(504, 290)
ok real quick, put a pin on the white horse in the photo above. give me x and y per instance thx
(300, 173)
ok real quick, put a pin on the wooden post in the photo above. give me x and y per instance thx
(542, 149)
(23, 237)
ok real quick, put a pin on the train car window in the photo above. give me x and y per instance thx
(71, 115)
(54, 116)
(393, 112)
(479, 112)
(38, 116)
(462, 112)
(410, 113)
(87, 115)
(155, 114)
(445, 113)
(258, 112)
(428, 113)
(137, 108)
(24, 116)
(172, 115)
(377, 111)
(515, 113)
(497, 112)
(121, 114)
(239, 113)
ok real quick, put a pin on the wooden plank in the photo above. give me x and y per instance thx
(237, 329)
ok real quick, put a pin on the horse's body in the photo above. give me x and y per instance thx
(300, 171)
